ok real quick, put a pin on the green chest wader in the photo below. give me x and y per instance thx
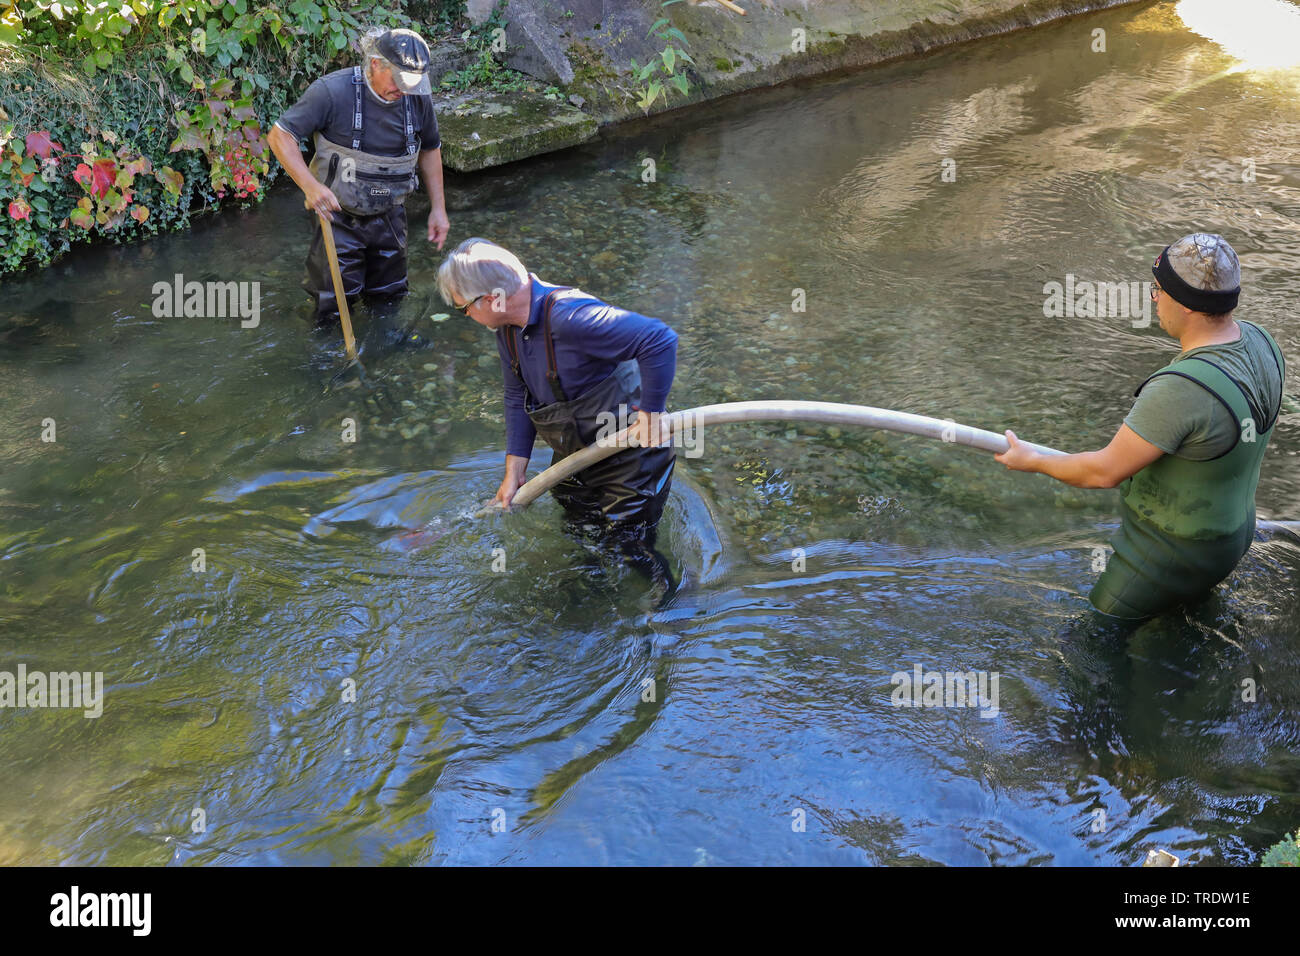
(627, 488)
(1185, 524)
(370, 236)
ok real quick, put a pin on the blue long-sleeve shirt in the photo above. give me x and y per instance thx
(591, 337)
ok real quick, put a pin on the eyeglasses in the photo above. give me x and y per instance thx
(1155, 291)
(466, 307)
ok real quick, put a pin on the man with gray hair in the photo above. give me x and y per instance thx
(1187, 457)
(570, 360)
(372, 128)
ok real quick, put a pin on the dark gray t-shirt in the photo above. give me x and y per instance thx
(1181, 418)
(328, 104)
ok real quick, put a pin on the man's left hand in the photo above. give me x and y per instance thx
(1017, 457)
(647, 431)
(438, 226)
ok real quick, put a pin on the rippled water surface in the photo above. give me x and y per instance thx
(552, 698)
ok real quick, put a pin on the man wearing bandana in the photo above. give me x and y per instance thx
(1188, 456)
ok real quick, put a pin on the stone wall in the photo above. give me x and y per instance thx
(587, 46)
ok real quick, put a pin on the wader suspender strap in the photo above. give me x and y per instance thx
(410, 127)
(1256, 413)
(358, 81)
(1236, 440)
(552, 375)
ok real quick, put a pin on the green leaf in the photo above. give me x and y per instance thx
(680, 81)
(646, 71)
(653, 90)
(670, 58)
(8, 34)
(677, 35)
(88, 64)
(657, 24)
(103, 58)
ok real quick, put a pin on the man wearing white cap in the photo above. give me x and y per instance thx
(1187, 457)
(373, 126)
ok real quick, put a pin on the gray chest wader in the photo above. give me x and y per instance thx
(1185, 524)
(628, 488)
(370, 235)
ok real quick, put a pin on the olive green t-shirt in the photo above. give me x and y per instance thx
(1181, 418)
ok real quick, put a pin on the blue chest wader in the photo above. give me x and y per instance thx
(624, 493)
(1185, 524)
(370, 233)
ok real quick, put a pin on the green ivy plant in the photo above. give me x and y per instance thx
(167, 99)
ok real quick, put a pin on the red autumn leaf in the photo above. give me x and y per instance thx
(18, 209)
(138, 165)
(105, 172)
(27, 179)
(82, 174)
(40, 144)
(79, 217)
(139, 213)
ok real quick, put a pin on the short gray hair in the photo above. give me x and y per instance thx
(370, 50)
(478, 267)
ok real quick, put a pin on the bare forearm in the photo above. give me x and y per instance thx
(516, 468)
(1084, 470)
(431, 167)
(286, 151)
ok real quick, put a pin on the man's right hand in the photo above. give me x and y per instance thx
(321, 199)
(516, 475)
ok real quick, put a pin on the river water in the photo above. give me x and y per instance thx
(320, 685)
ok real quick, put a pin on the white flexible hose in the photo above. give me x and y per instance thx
(827, 413)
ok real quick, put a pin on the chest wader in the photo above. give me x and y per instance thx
(628, 489)
(370, 234)
(1185, 524)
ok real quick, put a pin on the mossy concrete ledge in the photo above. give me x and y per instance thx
(489, 129)
(587, 47)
